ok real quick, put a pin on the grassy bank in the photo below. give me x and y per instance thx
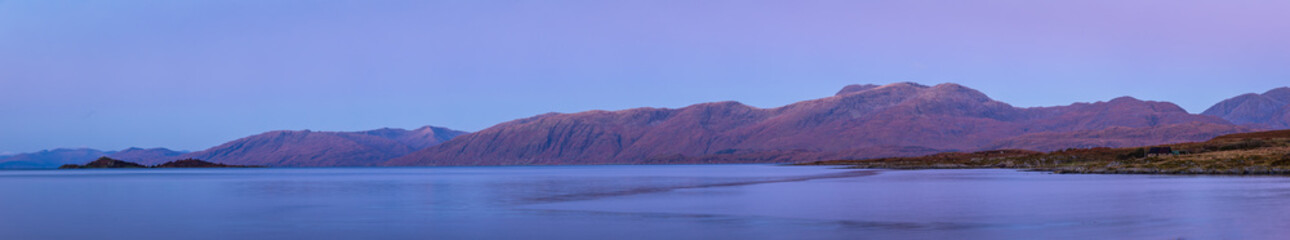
(1258, 153)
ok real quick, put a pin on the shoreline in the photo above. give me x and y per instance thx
(1258, 153)
(1273, 172)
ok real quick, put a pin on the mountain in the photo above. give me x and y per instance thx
(50, 158)
(324, 149)
(58, 157)
(860, 121)
(151, 156)
(1268, 110)
(417, 138)
(277, 148)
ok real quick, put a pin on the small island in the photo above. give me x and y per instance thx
(1256, 153)
(106, 162)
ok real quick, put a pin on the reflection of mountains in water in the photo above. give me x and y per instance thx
(655, 189)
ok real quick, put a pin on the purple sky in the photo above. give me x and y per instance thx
(193, 74)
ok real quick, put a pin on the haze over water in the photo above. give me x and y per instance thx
(632, 202)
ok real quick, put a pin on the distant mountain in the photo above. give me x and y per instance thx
(324, 149)
(1268, 110)
(277, 148)
(860, 121)
(50, 158)
(151, 156)
(58, 157)
(417, 138)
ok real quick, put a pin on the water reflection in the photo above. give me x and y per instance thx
(632, 202)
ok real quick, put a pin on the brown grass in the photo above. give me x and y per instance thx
(1246, 153)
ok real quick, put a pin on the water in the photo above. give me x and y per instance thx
(634, 202)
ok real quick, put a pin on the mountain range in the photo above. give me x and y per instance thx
(859, 121)
(58, 157)
(276, 148)
(324, 149)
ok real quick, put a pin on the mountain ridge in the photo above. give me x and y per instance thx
(858, 121)
(942, 117)
(52, 158)
(280, 148)
(306, 148)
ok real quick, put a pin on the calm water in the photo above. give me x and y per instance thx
(634, 202)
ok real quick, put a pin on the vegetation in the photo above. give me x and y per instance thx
(106, 162)
(1260, 153)
(194, 163)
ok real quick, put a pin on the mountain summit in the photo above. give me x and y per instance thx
(1268, 110)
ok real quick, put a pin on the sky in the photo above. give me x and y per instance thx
(189, 75)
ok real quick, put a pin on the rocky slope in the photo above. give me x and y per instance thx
(858, 122)
(1270, 110)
